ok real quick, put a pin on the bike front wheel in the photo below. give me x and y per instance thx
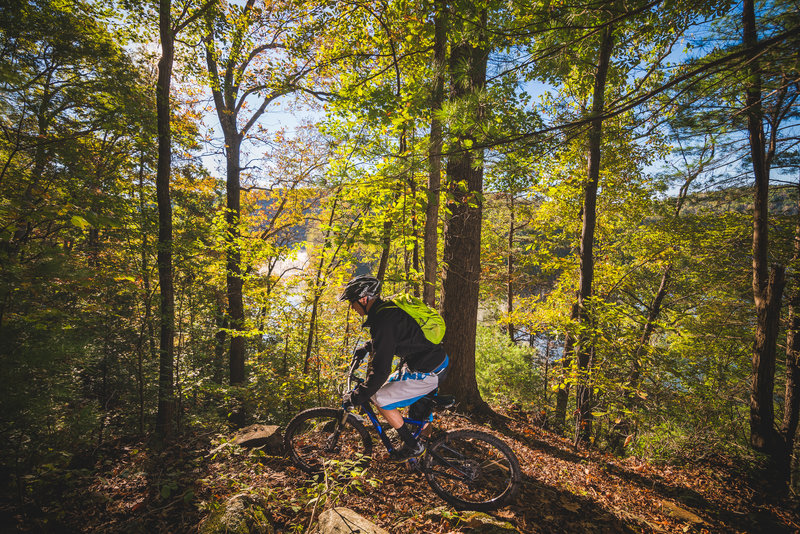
(472, 470)
(317, 438)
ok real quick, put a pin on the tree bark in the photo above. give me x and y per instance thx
(166, 397)
(234, 281)
(233, 266)
(763, 436)
(583, 391)
(462, 233)
(791, 410)
(227, 92)
(385, 250)
(767, 283)
(431, 240)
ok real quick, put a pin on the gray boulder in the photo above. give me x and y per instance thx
(266, 436)
(486, 524)
(346, 521)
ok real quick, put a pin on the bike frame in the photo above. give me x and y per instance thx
(373, 418)
(367, 409)
(413, 462)
(445, 458)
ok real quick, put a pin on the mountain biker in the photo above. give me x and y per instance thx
(394, 333)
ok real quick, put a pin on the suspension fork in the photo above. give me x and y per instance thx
(370, 413)
(333, 440)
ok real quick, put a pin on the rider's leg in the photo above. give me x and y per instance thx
(411, 446)
(402, 389)
(393, 415)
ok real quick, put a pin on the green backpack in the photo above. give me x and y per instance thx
(427, 318)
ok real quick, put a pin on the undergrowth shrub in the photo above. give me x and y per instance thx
(506, 372)
(673, 443)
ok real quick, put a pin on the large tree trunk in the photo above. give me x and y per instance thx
(462, 234)
(234, 280)
(763, 435)
(226, 92)
(583, 390)
(791, 410)
(166, 397)
(431, 240)
(767, 284)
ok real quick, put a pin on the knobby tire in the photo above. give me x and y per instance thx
(312, 442)
(472, 470)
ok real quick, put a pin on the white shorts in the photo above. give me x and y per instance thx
(404, 387)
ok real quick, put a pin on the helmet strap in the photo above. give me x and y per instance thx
(364, 302)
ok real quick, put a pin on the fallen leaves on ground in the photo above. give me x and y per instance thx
(131, 488)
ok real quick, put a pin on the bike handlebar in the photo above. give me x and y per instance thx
(355, 363)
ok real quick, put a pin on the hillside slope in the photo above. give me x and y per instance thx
(129, 488)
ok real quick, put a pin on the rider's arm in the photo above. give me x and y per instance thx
(363, 350)
(383, 348)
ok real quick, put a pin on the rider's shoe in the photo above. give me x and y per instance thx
(406, 452)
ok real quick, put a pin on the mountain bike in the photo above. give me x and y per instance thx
(469, 469)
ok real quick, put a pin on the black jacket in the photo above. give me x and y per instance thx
(394, 333)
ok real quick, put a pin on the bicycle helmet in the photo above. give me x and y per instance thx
(361, 286)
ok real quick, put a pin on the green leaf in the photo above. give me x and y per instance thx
(80, 222)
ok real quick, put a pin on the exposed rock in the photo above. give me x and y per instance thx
(440, 512)
(679, 513)
(266, 436)
(474, 521)
(346, 521)
(486, 524)
(241, 514)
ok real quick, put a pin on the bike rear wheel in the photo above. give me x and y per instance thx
(472, 470)
(316, 437)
